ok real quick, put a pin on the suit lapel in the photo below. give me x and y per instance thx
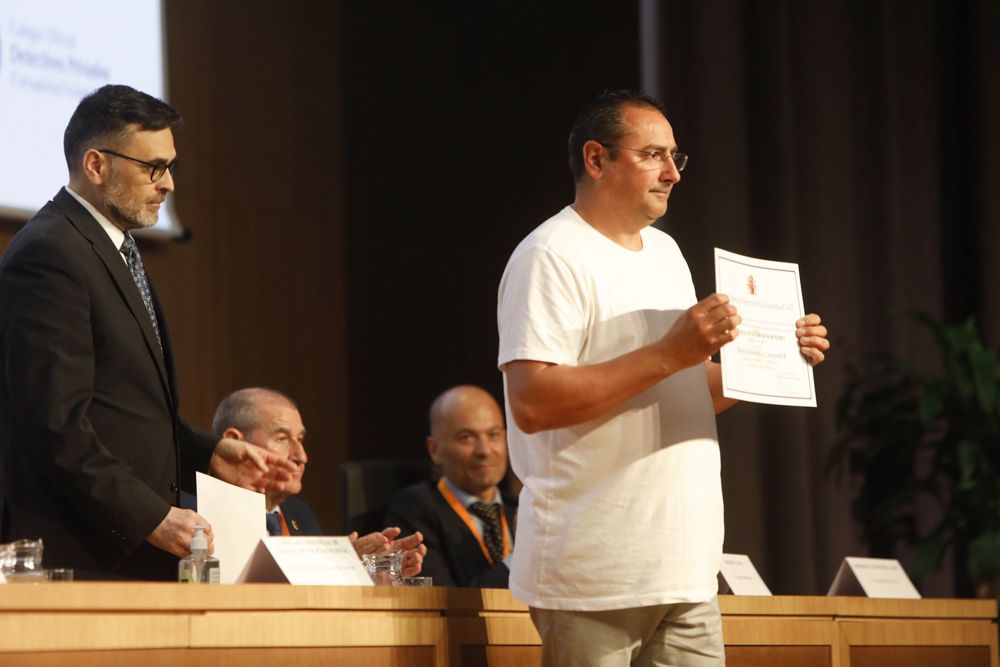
(288, 512)
(120, 276)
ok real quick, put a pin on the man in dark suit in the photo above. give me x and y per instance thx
(93, 453)
(270, 420)
(467, 523)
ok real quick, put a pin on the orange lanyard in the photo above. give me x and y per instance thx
(466, 518)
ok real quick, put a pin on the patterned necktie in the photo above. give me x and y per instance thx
(273, 524)
(492, 535)
(135, 267)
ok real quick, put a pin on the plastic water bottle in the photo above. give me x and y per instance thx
(199, 567)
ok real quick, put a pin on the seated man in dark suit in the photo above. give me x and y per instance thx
(271, 420)
(467, 523)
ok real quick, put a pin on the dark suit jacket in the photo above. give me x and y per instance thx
(300, 517)
(91, 446)
(453, 554)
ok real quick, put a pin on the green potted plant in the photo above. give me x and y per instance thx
(912, 432)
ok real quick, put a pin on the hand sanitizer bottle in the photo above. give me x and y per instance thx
(199, 567)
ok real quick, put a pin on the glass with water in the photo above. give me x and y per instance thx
(385, 568)
(21, 562)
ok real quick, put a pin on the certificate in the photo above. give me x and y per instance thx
(764, 364)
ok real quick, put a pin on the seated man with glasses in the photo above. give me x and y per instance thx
(92, 451)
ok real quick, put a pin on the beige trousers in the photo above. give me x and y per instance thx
(672, 635)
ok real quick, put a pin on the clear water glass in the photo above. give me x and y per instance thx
(22, 562)
(385, 568)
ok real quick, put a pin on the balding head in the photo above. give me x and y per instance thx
(468, 439)
(240, 410)
(268, 419)
(458, 400)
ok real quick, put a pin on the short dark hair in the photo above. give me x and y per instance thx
(239, 409)
(104, 116)
(600, 119)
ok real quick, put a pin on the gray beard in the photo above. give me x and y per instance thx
(128, 220)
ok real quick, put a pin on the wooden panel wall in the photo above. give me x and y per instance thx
(256, 296)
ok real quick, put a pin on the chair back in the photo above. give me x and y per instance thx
(367, 487)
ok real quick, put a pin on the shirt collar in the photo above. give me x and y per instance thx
(116, 235)
(467, 498)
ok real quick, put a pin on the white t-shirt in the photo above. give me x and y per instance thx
(625, 510)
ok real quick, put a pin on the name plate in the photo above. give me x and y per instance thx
(739, 577)
(312, 561)
(874, 578)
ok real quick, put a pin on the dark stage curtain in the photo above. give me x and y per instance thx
(859, 139)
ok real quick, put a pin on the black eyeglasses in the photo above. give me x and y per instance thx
(156, 169)
(659, 157)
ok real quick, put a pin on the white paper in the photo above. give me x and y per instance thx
(763, 364)
(741, 576)
(238, 520)
(874, 578)
(316, 561)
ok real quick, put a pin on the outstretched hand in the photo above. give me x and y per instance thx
(373, 543)
(413, 553)
(251, 467)
(386, 540)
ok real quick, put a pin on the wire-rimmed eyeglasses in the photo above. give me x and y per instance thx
(657, 156)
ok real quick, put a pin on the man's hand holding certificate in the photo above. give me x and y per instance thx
(771, 360)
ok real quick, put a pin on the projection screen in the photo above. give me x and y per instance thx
(52, 53)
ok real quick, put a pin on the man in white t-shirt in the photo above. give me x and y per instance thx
(611, 403)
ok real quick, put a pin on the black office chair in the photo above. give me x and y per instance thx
(367, 487)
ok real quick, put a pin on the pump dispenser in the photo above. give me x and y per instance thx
(199, 567)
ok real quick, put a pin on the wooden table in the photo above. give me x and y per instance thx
(154, 624)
